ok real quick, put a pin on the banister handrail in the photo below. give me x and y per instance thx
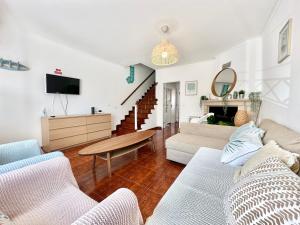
(138, 87)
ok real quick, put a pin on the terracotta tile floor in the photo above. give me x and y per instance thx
(149, 177)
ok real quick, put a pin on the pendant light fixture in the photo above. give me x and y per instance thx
(165, 53)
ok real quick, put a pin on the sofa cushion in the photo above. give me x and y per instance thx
(191, 143)
(269, 150)
(270, 195)
(15, 151)
(285, 137)
(207, 130)
(197, 194)
(29, 161)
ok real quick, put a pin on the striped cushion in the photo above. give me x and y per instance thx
(248, 128)
(269, 194)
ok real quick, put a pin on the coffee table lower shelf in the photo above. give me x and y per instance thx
(108, 156)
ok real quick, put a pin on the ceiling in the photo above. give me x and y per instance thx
(125, 31)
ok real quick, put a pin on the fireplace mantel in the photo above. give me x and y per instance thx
(242, 104)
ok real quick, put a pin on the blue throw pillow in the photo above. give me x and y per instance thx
(244, 143)
(248, 128)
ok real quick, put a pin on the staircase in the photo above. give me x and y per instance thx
(144, 107)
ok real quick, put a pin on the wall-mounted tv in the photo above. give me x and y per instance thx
(62, 85)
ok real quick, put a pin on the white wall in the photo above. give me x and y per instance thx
(278, 79)
(203, 72)
(294, 103)
(257, 67)
(245, 59)
(22, 94)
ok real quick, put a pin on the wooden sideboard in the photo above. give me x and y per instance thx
(65, 131)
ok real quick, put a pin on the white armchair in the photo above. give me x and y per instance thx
(200, 119)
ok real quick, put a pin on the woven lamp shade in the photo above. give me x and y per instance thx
(164, 54)
(241, 118)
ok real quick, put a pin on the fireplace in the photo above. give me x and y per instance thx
(224, 115)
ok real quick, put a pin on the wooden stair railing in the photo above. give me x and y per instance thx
(147, 78)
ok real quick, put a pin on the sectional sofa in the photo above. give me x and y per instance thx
(198, 194)
(183, 146)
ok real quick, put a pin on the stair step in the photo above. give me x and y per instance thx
(145, 111)
(145, 104)
(128, 126)
(148, 108)
(143, 115)
(124, 131)
(129, 120)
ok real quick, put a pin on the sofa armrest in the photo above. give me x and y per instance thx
(15, 151)
(27, 162)
(33, 185)
(120, 208)
(207, 130)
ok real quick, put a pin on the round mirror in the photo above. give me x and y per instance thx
(224, 82)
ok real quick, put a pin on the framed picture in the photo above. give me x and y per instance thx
(191, 88)
(284, 43)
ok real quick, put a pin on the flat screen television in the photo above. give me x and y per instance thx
(62, 85)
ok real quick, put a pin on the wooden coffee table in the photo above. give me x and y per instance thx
(118, 146)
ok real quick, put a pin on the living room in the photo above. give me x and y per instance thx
(127, 101)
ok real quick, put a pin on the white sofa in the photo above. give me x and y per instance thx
(183, 146)
(197, 195)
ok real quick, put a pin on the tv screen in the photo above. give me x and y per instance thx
(62, 85)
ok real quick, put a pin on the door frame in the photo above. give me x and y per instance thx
(177, 102)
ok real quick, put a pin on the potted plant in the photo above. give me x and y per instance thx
(241, 94)
(211, 120)
(235, 95)
(255, 99)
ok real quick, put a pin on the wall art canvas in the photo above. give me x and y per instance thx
(191, 88)
(284, 44)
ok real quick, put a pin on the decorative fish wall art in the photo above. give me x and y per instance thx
(10, 65)
(130, 79)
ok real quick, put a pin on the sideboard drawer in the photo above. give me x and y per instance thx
(62, 132)
(66, 122)
(98, 135)
(69, 141)
(66, 132)
(98, 126)
(98, 119)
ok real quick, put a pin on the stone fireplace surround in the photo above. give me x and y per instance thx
(241, 104)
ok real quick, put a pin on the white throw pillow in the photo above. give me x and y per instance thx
(243, 144)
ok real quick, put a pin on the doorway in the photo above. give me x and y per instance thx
(171, 103)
